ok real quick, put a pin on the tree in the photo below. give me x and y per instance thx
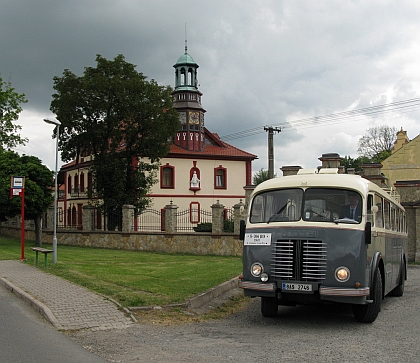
(260, 176)
(39, 184)
(9, 112)
(349, 162)
(377, 144)
(126, 122)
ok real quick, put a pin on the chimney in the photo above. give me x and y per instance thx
(372, 172)
(330, 160)
(290, 170)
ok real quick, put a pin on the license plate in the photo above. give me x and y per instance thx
(296, 287)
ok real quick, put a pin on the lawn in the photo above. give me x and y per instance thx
(133, 278)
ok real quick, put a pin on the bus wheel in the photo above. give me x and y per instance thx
(269, 306)
(369, 312)
(399, 290)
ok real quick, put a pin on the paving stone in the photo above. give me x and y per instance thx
(72, 307)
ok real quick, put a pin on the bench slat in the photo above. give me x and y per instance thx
(40, 249)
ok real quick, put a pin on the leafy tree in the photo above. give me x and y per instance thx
(38, 188)
(260, 176)
(377, 144)
(113, 113)
(349, 162)
(9, 112)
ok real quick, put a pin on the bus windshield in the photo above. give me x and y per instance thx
(312, 204)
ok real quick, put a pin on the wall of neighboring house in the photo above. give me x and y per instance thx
(404, 163)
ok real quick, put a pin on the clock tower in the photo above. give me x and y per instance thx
(187, 101)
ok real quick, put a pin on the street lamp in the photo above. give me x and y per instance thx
(56, 123)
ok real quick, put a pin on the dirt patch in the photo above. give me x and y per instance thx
(167, 316)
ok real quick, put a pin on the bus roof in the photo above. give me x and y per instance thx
(327, 178)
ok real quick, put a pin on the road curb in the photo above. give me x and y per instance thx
(38, 305)
(215, 292)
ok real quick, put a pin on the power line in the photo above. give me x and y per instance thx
(399, 106)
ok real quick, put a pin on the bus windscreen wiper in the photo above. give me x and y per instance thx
(274, 216)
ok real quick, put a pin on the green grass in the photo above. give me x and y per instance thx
(132, 278)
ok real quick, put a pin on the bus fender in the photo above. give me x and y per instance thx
(242, 227)
(377, 257)
(403, 270)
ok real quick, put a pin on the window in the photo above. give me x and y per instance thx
(82, 182)
(76, 183)
(167, 176)
(69, 184)
(277, 206)
(220, 180)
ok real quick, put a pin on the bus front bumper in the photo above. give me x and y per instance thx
(323, 290)
(337, 291)
(257, 286)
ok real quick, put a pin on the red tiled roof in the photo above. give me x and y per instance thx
(212, 150)
(214, 147)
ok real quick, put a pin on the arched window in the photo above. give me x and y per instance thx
(82, 182)
(76, 183)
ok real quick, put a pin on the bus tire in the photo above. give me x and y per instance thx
(269, 306)
(399, 290)
(369, 312)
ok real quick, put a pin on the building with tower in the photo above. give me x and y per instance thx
(200, 169)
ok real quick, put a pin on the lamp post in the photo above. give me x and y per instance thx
(56, 123)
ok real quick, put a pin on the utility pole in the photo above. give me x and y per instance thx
(271, 131)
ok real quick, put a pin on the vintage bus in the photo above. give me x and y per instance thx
(320, 236)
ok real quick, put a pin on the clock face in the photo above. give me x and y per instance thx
(194, 117)
(183, 117)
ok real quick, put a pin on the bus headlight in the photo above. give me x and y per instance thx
(342, 274)
(264, 277)
(257, 269)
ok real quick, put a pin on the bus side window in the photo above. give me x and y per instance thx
(369, 209)
(379, 214)
(386, 214)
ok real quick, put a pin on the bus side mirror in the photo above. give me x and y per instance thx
(241, 230)
(368, 233)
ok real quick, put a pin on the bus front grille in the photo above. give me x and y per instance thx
(299, 260)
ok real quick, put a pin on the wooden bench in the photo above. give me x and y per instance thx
(45, 251)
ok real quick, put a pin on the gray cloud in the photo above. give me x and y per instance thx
(261, 62)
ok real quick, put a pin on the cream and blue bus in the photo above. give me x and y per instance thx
(320, 236)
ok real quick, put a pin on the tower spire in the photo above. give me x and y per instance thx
(185, 37)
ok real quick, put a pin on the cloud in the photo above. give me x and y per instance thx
(261, 62)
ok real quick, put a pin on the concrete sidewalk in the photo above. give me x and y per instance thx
(66, 305)
(71, 307)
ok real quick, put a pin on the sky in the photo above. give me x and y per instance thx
(261, 63)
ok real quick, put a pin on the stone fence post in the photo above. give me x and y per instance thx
(170, 218)
(238, 215)
(217, 218)
(88, 217)
(127, 218)
(50, 219)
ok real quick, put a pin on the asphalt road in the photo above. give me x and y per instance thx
(298, 334)
(25, 337)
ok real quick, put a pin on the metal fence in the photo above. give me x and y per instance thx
(191, 219)
(228, 223)
(149, 220)
(69, 218)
